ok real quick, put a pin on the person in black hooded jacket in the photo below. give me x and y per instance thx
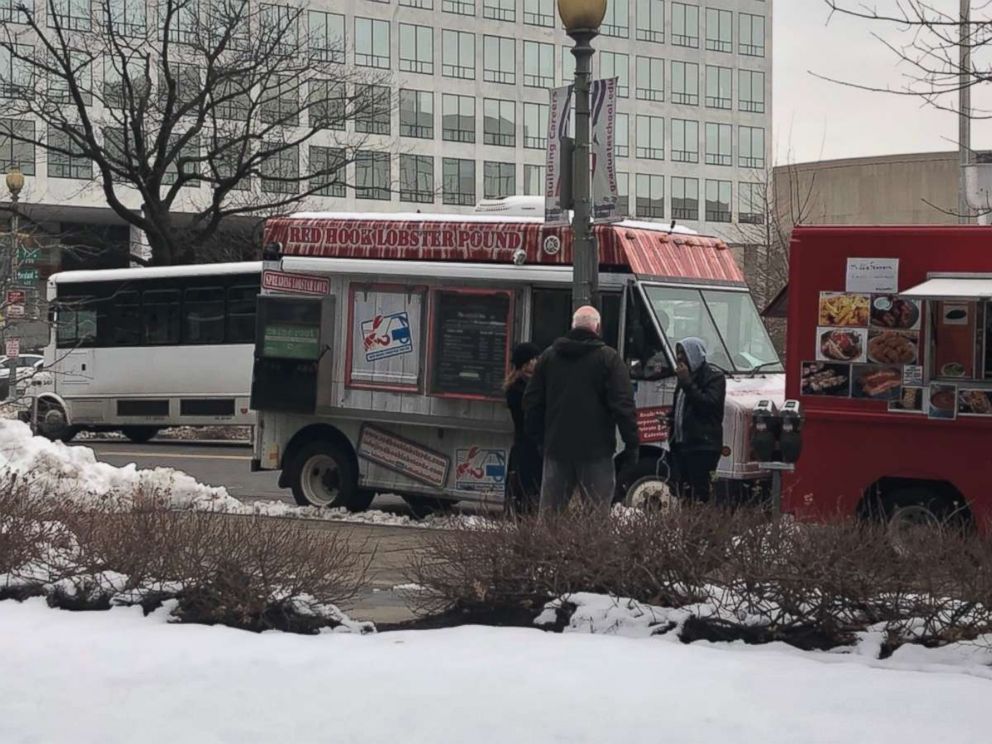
(523, 480)
(579, 395)
(696, 420)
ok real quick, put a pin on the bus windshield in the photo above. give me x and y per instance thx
(726, 320)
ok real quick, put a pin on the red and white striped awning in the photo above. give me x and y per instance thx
(646, 252)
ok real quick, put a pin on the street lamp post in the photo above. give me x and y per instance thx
(15, 182)
(582, 19)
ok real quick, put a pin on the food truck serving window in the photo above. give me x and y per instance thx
(725, 319)
(470, 342)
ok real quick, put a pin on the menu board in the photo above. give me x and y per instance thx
(470, 343)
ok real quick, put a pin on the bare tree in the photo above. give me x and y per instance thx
(193, 112)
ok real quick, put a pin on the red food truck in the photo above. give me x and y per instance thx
(889, 353)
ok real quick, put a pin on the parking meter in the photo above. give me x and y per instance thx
(790, 440)
(765, 429)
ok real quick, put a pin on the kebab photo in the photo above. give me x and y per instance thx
(823, 378)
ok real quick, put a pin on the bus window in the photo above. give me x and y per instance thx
(77, 322)
(126, 314)
(160, 316)
(241, 301)
(551, 316)
(203, 315)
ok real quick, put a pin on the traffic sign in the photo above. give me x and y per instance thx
(25, 253)
(13, 347)
(17, 296)
(28, 275)
(15, 311)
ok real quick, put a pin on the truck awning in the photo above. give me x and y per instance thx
(952, 288)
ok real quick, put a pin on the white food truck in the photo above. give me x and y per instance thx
(382, 342)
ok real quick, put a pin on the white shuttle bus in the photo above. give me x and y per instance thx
(137, 350)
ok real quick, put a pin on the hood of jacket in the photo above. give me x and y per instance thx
(578, 342)
(695, 352)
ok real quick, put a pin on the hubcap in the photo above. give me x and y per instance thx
(652, 494)
(321, 480)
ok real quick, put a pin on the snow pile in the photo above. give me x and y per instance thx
(117, 677)
(54, 470)
(370, 516)
(622, 616)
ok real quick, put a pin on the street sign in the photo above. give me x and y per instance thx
(28, 275)
(15, 311)
(13, 347)
(25, 253)
(17, 296)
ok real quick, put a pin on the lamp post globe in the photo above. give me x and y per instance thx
(581, 14)
(15, 182)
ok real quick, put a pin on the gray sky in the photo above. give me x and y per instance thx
(815, 119)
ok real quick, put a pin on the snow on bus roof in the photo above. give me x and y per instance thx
(157, 272)
(466, 218)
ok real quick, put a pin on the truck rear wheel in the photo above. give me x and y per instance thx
(914, 507)
(322, 474)
(140, 434)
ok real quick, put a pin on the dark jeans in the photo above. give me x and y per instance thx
(694, 472)
(593, 479)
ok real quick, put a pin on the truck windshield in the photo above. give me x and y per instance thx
(726, 320)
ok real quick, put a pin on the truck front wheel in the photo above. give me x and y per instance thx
(323, 475)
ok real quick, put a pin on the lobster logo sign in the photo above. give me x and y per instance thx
(385, 336)
(480, 469)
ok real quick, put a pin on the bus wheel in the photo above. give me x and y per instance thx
(52, 422)
(323, 475)
(424, 506)
(139, 434)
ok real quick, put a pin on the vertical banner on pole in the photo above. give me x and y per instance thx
(603, 109)
(555, 213)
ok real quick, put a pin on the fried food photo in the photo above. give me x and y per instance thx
(976, 401)
(848, 310)
(892, 347)
(843, 346)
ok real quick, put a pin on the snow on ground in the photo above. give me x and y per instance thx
(73, 473)
(108, 677)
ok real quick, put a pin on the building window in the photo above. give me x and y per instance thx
(685, 198)
(498, 61)
(719, 149)
(535, 126)
(458, 54)
(719, 87)
(127, 17)
(373, 109)
(534, 180)
(327, 104)
(623, 192)
(719, 30)
(9, 11)
(372, 43)
(458, 182)
(280, 102)
(718, 199)
(499, 123)
(651, 20)
(416, 49)
(15, 74)
(500, 10)
(189, 156)
(752, 91)
(71, 15)
(685, 83)
(422, 4)
(617, 19)
(539, 64)
(417, 179)
(64, 161)
(685, 25)
(614, 64)
(751, 147)
(281, 170)
(567, 65)
(327, 171)
(685, 141)
(372, 175)
(83, 63)
(417, 114)
(326, 36)
(621, 139)
(650, 137)
(751, 203)
(459, 7)
(751, 36)
(539, 13)
(457, 118)
(650, 195)
(498, 179)
(184, 24)
(650, 79)
(282, 23)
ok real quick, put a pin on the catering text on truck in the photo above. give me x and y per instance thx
(889, 348)
(383, 343)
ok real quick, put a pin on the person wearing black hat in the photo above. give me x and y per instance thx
(523, 479)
